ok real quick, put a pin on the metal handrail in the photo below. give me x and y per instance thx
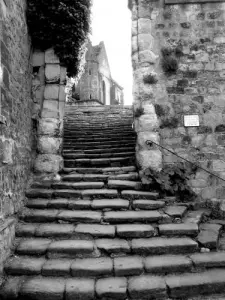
(149, 143)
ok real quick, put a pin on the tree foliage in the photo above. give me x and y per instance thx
(61, 24)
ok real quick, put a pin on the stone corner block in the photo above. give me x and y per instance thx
(51, 91)
(51, 57)
(52, 73)
(38, 58)
(48, 163)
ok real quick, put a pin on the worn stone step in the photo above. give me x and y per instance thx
(103, 193)
(98, 156)
(132, 216)
(110, 204)
(110, 170)
(99, 143)
(84, 177)
(78, 185)
(188, 229)
(95, 135)
(62, 248)
(202, 283)
(144, 204)
(98, 162)
(160, 245)
(131, 194)
(100, 146)
(46, 216)
(124, 184)
(62, 231)
(100, 151)
(128, 177)
(98, 140)
(135, 231)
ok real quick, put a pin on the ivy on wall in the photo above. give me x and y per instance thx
(61, 24)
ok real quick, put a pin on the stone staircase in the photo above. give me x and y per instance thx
(97, 234)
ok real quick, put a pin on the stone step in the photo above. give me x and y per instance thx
(121, 144)
(99, 143)
(101, 204)
(124, 184)
(97, 140)
(103, 155)
(69, 193)
(128, 265)
(78, 185)
(187, 229)
(145, 216)
(91, 248)
(110, 170)
(144, 204)
(99, 151)
(95, 135)
(99, 177)
(102, 162)
(131, 194)
(59, 215)
(139, 287)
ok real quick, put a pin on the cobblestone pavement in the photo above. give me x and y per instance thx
(97, 234)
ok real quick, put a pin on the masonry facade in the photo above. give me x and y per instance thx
(96, 83)
(179, 46)
(16, 138)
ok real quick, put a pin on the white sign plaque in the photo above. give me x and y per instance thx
(191, 120)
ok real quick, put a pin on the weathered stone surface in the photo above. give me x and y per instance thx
(50, 57)
(48, 163)
(163, 245)
(189, 229)
(33, 247)
(134, 230)
(175, 211)
(49, 145)
(148, 204)
(143, 286)
(80, 216)
(52, 73)
(96, 230)
(127, 266)
(209, 234)
(110, 204)
(196, 284)
(39, 288)
(24, 266)
(56, 267)
(80, 289)
(111, 288)
(71, 247)
(139, 195)
(208, 260)
(11, 288)
(113, 245)
(51, 92)
(38, 58)
(92, 267)
(132, 216)
(167, 264)
(55, 230)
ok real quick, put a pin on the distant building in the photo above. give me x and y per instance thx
(96, 83)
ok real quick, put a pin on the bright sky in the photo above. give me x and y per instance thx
(111, 23)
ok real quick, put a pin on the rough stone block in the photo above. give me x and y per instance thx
(145, 41)
(49, 145)
(56, 267)
(49, 126)
(38, 58)
(48, 163)
(80, 289)
(148, 56)
(112, 288)
(51, 91)
(128, 266)
(43, 288)
(50, 57)
(63, 72)
(52, 73)
(149, 159)
(147, 123)
(113, 245)
(143, 286)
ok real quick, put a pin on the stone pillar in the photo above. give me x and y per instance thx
(145, 58)
(49, 91)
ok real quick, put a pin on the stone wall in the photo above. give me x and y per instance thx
(49, 79)
(178, 54)
(15, 116)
